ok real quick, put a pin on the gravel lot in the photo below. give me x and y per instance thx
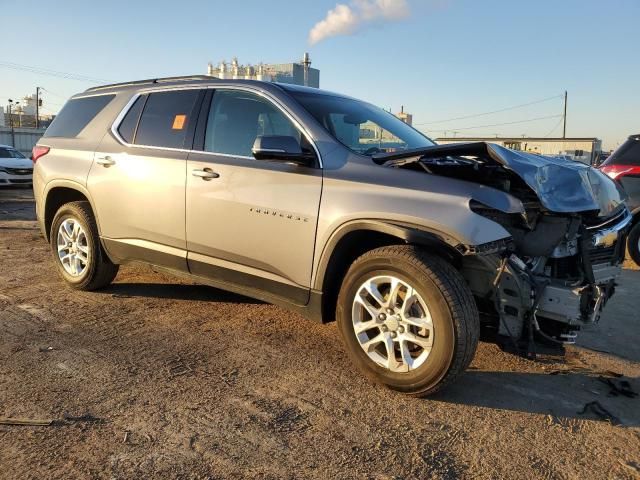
(155, 377)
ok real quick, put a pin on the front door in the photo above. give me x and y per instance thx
(251, 222)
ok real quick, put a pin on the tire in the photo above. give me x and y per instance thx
(633, 243)
(90, 268)
(455, 325)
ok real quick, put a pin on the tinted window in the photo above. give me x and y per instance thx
(127, 128)
(362, 127)
(166, 118)
(10, 153)
(236, 118)
(627, 154)
(76, 114)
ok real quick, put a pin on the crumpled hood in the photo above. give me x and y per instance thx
(562, 186)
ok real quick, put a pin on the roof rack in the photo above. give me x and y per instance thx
(186, 78)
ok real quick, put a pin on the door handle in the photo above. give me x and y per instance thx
(106, 161)
(205, 174)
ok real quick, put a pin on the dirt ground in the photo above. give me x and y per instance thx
(158, 378)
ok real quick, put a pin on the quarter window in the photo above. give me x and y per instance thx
(166, 118)
(76, 115)
(236, 118)
(127, 128)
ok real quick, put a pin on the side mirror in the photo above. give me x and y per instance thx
(281, 148)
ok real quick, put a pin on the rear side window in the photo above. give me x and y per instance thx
(627, 154)
(127, 128)
(166, 118)
(76, 115)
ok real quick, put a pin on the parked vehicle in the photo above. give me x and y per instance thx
(274, 192)
(15, 168)
(623, 166)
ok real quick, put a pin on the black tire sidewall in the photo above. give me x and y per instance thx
(633, 243)
(441, 356)
(72, 211)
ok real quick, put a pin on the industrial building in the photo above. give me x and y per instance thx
(404, 116)
(295, 73)
(584, 150)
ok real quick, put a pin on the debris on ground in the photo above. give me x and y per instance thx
(582, 370)
(87, 418)
(25, 422)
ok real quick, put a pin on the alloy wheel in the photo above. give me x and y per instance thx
(73, 248)
(392, 323)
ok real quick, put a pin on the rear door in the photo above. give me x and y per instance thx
(137, 179)
(250, 222)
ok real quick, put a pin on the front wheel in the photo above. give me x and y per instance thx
(634, 243)
(408, 319)
(76, 248)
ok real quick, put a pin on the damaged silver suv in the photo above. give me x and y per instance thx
(335, 209)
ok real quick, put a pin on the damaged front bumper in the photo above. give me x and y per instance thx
(552, 265)
(531, 297)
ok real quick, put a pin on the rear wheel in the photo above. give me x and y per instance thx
(408, 319)
(76, 248)
(633, 243)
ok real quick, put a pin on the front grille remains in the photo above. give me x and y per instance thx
(19, 171)
(603, 254)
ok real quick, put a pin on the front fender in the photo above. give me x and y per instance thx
(405, 232)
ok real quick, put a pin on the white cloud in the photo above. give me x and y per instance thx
(347, 19)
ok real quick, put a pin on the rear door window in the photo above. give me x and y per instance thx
(76, 115)
(166, 119)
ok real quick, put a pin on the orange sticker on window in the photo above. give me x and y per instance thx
(179, 121)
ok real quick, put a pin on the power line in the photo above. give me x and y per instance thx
(53, 73)
(497, 124)
(555, 127)
(54, 93)
(492, 112)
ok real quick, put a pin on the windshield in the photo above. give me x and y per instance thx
(362, 127)
(10, 153)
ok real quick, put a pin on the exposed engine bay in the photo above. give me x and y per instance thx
(558, 267)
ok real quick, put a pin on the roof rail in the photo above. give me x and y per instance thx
(185, 78)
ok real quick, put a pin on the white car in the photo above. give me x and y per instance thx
(15, 168)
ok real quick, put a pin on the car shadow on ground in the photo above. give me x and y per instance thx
(177, 291)
(16, 203)
(560, 397)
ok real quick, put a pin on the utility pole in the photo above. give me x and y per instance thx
(564, 118)
(13, 133)
(37, 106)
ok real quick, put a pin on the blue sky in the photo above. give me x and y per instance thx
(448, 58)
